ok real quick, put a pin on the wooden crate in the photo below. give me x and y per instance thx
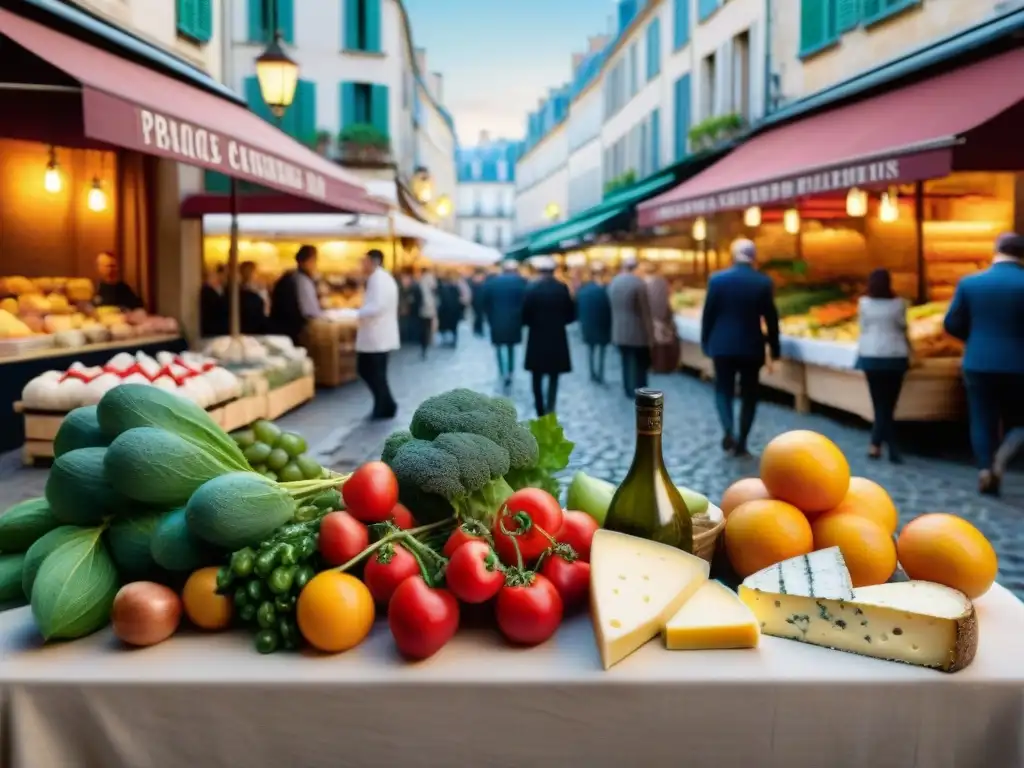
(283, 399)
(332, 348)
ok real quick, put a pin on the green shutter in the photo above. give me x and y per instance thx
(814, 25)
(216, 183)
(682, 115)
(254, 98)
(347, 103)
(373, 26)
(707, 7)
(681, 34)
(350, 25)
(257, 24)
(379, 109)
(847, 15)
(305, 111)
(187, 17)
(654, 49)
(872, 9)
(204, 20)
(286, 20)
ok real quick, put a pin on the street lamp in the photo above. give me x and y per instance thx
(278, 76)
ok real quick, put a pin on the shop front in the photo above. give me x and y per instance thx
(94, 261)
(919, 180)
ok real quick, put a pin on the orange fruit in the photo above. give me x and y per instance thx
(867, 498)
(335, 611)
(948, 550)
(806, 469)
(764, 532)
(747, 489)
(203, 606)
(867, 548)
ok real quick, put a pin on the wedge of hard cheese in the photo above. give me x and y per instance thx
(809, 599)
(635, 586)
(714, 618)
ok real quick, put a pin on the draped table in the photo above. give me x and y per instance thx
(210, 700)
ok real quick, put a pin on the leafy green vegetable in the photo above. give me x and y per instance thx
(129, 539)
(10, 577)
(24, 523)
(39, 551)
(175, 548)
(238, 510)
(79, 429)
(158, 467)
(554, 453)
(75, 587)
(129, 406)
(77, 488)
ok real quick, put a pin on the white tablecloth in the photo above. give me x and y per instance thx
(209, 700)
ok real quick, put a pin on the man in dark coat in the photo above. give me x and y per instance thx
(252, 308)
(503, 306)
(547, 310)
(449, 311)
(738, 300)
(631, 326)
(476, 285)
(595, 314)
(213, 305)
(294, 300)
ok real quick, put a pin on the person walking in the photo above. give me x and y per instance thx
(425, 308)
(449, 310)
(595, 315)
(665, 340)
(631, 325)
(294, 300)
(547, 309)
(408, 325)
(883, 353)
(477, 287)
(503, 306)
(739, 299)
(987, 314)
(377, 334)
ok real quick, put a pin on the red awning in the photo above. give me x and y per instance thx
(127, 105)
(909, 134)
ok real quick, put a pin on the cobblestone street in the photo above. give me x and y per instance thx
(599, 420)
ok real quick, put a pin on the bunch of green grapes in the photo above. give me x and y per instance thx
(276, 454)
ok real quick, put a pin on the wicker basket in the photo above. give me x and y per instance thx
(706, 533)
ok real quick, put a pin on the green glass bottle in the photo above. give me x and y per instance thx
(647, 503)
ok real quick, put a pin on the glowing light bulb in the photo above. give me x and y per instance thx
(856, 203)
(97, 200)
(752, 216)
(888, 207)
(52, 181)
(791, 221)
(700, 229)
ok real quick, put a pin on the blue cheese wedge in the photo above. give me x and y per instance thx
(810, 599)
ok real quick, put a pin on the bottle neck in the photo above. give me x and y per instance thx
(648, 435)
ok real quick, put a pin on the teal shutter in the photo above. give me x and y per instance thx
(186, 11)
(814, 25)
(706, 7)
(379, 109)
(372, 33)
(350, 30)
(682, 115)
(654, 49)
(204, 20)
(286, 20)
(847, 15)
(257, 22)
(254, 98)
(655, 141)
(347, 103)
(305, 111)
(681, 31)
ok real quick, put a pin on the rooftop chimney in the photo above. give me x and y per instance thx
(437, 85)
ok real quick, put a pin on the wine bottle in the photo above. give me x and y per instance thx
(647, 503)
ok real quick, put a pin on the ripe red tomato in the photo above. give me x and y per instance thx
(342, 537)
(530, 614)
(456, 540)
(474, 573)
(578, 532)
(422, 619)
(572, 580)
(371, 492)
(382, 579)
(545, 512)
(402, 517)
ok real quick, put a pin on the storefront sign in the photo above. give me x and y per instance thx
(893, 170)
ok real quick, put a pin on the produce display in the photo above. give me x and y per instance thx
(196, 377)
(275, 358)
(276, 454)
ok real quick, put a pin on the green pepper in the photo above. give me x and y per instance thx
(266, 562)
(224, 578)
(306, 513)
(284, 603)
(267, 641)
(241, 597)
(303, 575)
(247, 613)
(307, 547)
(255, 590)
(266, 616)
(281, 579)
(289, 632)
(242, 562)
(288, 555)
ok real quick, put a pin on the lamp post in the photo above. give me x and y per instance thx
(278, 76)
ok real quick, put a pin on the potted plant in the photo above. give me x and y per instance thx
(363, 142)
(323, 142)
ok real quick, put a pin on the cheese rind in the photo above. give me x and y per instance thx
(635, 586)
(914, 622)
(713, 619)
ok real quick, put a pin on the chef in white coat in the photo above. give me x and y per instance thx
(378, 333)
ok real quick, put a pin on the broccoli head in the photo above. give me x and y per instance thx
(463, 410)
(458, 472)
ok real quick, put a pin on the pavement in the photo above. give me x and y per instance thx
(936, 477)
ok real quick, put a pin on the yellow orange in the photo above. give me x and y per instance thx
(948, 550)
(805, 469)
(203, 606)
(335, 611)
(764, 532)
(867, 548)
(742, 491)
(867, 498)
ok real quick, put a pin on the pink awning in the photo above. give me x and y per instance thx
(128, 105)
(909, 134)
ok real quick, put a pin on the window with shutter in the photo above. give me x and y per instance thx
(817, 25)
(655, 141)
(286, 19)
(347, 103)
(681, 29)
(204, 21)
(186, 21)
(259, 21)
(707, 7)
(654, 49)
(372, 33)
(380, 109)
(304, 108)
(847, 15)
(878, 10)
(682, 116)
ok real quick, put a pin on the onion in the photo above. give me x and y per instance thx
(145, 613)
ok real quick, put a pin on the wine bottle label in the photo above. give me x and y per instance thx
(648, 421)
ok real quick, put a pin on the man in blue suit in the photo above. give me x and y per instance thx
(987, 313)
(738, 300)
(502, 302)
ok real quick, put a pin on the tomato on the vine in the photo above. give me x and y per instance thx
(530, 613)
(459, 537)
(402, 517)
(474, 573)
(383, 578)
(422, 618)
(371, 492)
(570, 578)
(577, 531)
(545, 515)
(342, 537)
